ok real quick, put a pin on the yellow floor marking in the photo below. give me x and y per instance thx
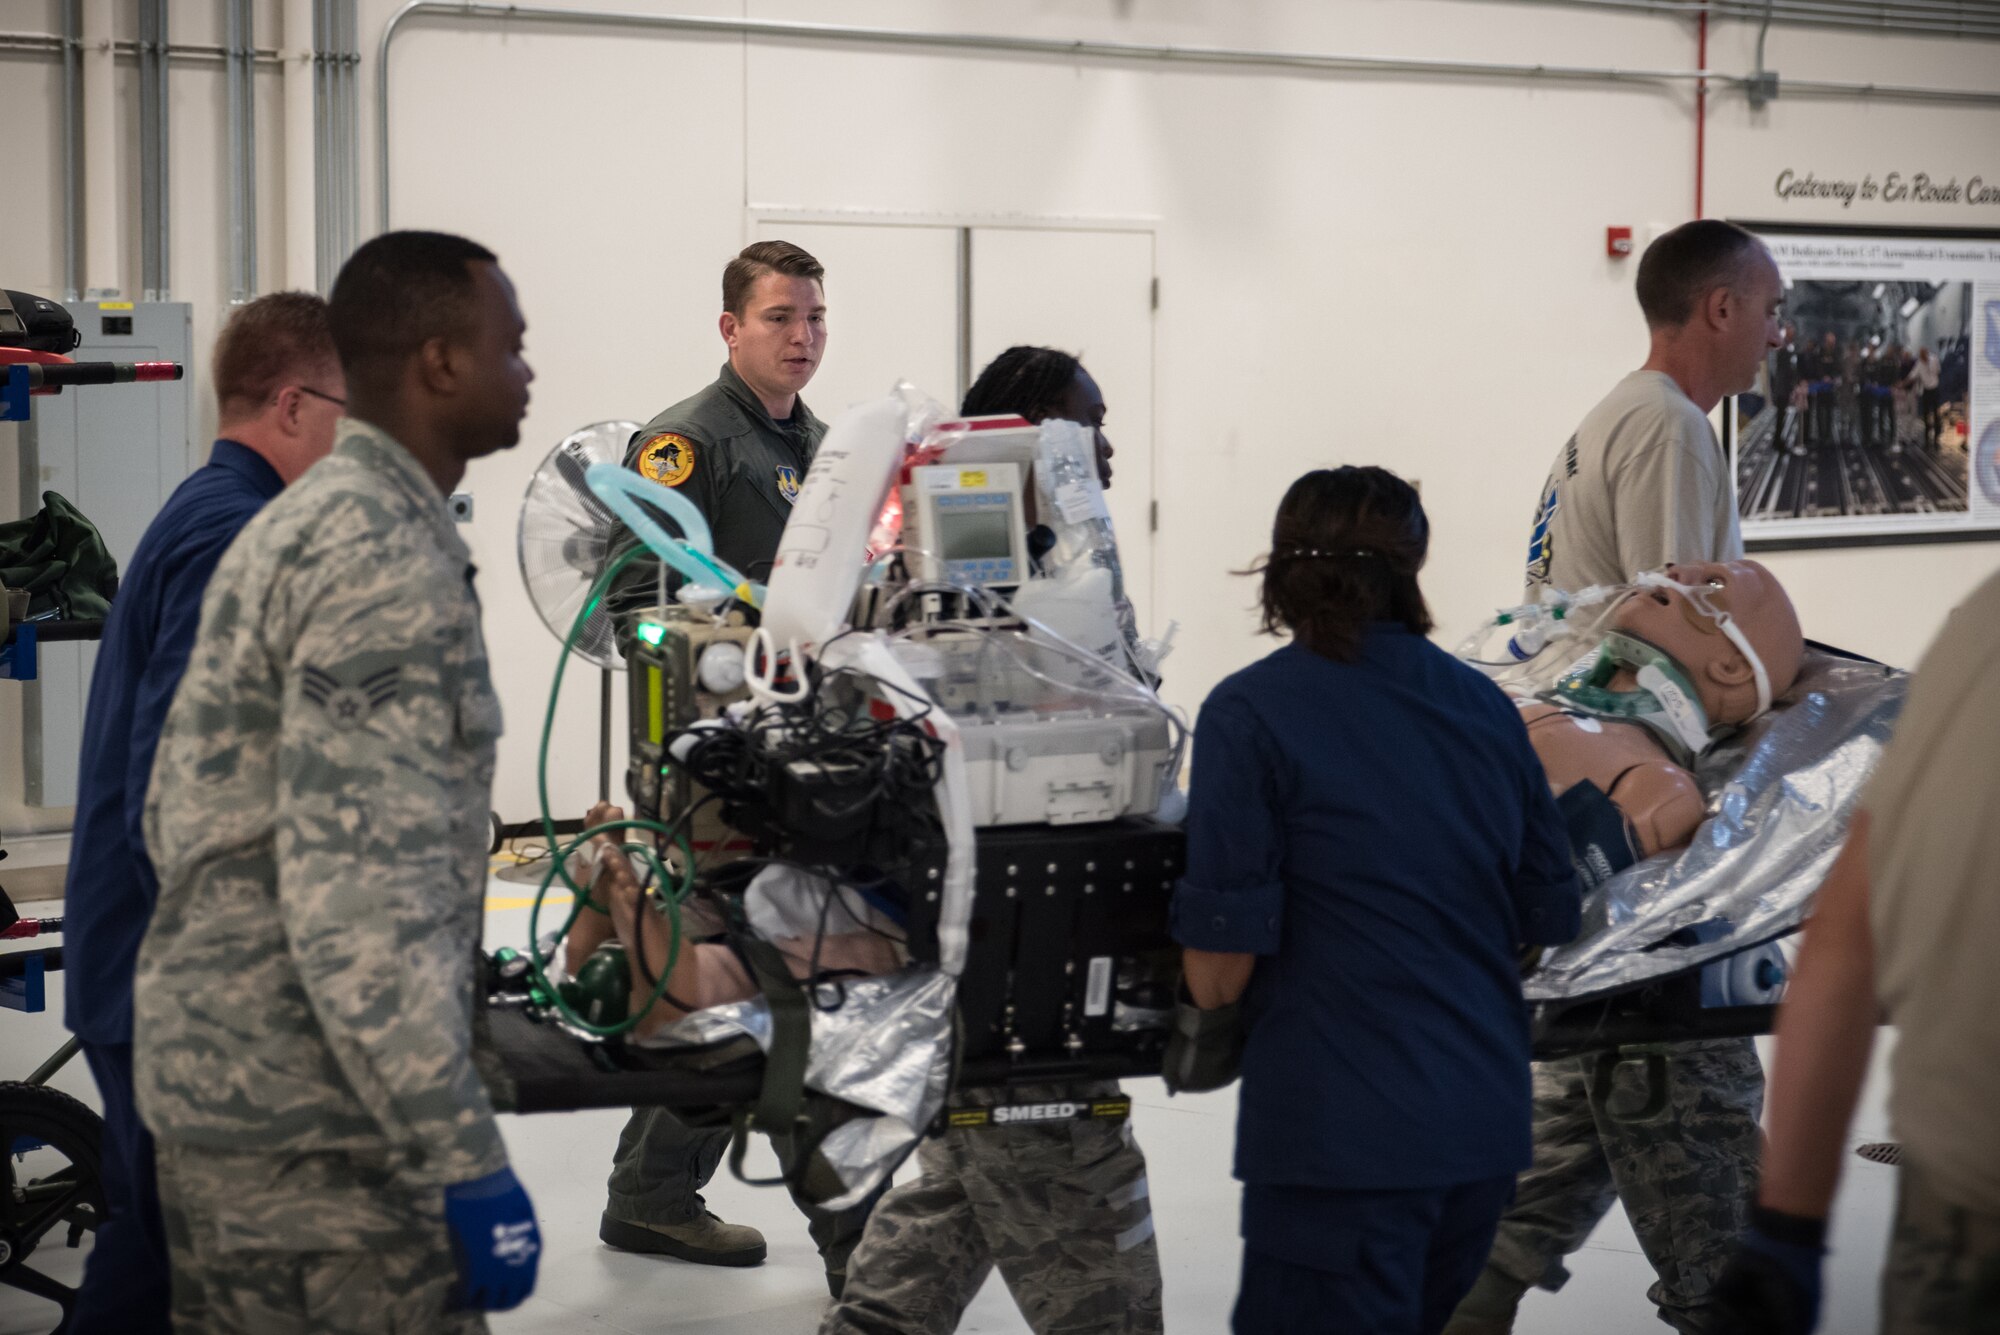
(526, 901)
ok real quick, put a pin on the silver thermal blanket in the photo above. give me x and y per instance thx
(1780, 795)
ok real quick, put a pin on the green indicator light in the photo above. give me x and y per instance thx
(652, 632)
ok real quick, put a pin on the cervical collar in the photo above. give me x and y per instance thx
(1665, 702)
(1724, 623)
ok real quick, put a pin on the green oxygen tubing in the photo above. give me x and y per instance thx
(618, 488)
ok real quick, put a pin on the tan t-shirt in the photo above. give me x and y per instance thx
(1641, 484)
(1934, 872)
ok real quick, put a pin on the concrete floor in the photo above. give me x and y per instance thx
(584, 1286)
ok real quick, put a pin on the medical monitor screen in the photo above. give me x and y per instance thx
(976, 535)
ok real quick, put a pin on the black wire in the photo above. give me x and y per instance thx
(812, 965)
(639, 950)
(877, 760)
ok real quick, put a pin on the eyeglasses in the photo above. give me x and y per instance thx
(308, 389)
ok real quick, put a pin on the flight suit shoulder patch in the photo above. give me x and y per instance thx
(667, 458)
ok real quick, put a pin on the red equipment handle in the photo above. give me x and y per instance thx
(53, 375)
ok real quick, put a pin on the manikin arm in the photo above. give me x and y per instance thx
(616, 888)
(1662, 801)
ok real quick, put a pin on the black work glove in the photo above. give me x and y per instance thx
(1205, 1050)
(1772, 1284)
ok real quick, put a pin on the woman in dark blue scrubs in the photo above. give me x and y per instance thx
(1371, 845)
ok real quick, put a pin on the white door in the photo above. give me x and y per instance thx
(891, 309)
(1088, 293)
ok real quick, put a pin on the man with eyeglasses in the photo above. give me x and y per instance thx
(279, 391)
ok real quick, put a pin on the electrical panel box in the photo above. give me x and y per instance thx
(116, 452)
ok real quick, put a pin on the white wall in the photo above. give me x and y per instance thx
(1389, 269)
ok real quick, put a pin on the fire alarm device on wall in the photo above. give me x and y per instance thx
(1618, 242)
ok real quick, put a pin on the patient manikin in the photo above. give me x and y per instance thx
(1690, 655)
(705, 973)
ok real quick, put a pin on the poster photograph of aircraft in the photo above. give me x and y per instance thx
(1874, 420)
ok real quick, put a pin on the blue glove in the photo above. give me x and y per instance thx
(1772, 1283)
(494, 1242)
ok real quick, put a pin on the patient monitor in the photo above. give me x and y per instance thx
(966, 524)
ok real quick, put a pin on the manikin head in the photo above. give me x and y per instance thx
(1687, 627)
(1040, 383)
(774, 321)
(278, 385)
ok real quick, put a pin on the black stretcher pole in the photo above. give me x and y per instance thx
(604, 738)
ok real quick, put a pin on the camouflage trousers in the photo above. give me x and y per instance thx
(1684, 1176)
(1943, 1272)
(318, 1244)
(1061, 1209)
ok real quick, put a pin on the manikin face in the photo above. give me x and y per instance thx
(1687, 628)
(776, 343)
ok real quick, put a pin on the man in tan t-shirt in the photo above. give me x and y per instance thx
(1642, 484)
(1907, 924)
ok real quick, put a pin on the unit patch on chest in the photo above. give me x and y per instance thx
(788, 483)
(667, 459)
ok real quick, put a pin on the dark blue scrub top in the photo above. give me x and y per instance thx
(111, 889)
(1381, 835)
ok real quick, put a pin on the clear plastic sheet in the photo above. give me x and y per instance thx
(979, 674)
(1070, 500)
(1780, 795)
(886, 1048)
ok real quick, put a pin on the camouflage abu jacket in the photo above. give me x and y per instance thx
(318, 820)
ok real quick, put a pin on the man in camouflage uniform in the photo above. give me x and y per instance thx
(1054, 1205)
(306, 993)
(1640, 485)
(1682, 1177)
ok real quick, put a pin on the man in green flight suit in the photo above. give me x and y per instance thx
(739, 450)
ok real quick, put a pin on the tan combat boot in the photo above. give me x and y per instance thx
(704, 1241)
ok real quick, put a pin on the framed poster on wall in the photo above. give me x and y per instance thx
(1878, 420)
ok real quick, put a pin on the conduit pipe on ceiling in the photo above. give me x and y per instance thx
(156, 253)
(1907, 17)
(337, 60)
(1308, 62)
(322, 147)
(1700, 114)
(295, 48)
(54, 45)
(72, 148)
(242, 100)
(102, 255)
